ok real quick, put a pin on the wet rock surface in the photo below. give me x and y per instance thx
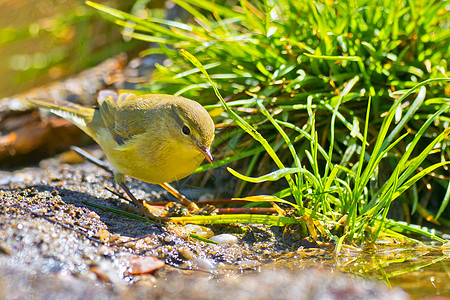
(54, 244)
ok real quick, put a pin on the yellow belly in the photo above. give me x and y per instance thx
(151, 162)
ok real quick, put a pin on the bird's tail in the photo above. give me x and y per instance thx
(81, 116)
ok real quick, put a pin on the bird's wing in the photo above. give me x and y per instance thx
(108, 112)
(109, 101)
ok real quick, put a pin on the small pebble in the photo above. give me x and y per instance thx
(186, 253)
(201, 231)
(204, 264)
(106, 272)
(143, 265)
(71, 157)
(224, 238)
(445, 236)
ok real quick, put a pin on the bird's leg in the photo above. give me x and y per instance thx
(119, 178)
(185, 201)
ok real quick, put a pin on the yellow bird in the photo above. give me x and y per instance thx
(153, 138)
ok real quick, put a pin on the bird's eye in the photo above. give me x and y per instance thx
(186, 130)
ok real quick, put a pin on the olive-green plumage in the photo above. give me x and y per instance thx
(154, 138)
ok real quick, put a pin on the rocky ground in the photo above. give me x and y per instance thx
(54, 244)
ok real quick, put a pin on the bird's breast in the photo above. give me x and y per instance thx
(154, 160)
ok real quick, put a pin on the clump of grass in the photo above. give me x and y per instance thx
(347, 99)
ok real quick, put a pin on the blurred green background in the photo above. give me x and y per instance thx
(44, 41)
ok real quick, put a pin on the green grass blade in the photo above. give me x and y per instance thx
(414, 107)
(194, 12)
(236, 218)
(275, 175)
(229, 159)
(144, 23)
(418, 135)
(343, 120)
(444, 202)
(408, 228)
(364, 143)
(216, 8)
(305, 135)
(418, 176)
(356, 59)
(281, 131)
(120, 212)
(417, 161)
(197, 237)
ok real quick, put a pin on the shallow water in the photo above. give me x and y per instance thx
(422, 271)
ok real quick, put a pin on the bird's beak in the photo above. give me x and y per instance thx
(207, 153)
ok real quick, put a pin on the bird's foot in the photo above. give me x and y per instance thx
(191, 206)
(152, 212)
